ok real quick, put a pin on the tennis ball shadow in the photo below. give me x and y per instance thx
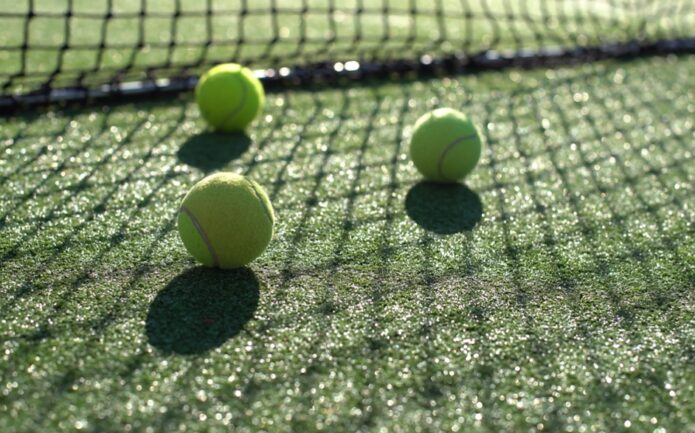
(444, 208)
(210, 151)
(201, 309)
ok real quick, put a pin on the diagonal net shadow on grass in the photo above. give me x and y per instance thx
(347, 241)
(210, 151)
(201, 308)
(444, 208)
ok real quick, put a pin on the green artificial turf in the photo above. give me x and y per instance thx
(551, 292)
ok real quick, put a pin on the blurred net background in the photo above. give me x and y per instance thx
(80, 44)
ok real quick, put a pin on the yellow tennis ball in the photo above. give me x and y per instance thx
(226, 221)
(445, 146)
(229, 97)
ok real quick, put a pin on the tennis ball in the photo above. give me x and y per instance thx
(445, 145)
(226, 221)
(229, 97)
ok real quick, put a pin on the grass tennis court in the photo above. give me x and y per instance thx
(552, 291)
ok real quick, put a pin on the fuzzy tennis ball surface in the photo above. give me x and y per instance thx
(445, 145)
(229, 97)
(226, 221)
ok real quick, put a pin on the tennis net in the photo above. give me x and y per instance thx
(53, 50)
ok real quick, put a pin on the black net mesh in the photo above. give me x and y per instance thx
(52, 45)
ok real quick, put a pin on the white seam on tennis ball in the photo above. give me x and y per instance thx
(239, 107)
(447, 149)
(258, 196)
(202, 234)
